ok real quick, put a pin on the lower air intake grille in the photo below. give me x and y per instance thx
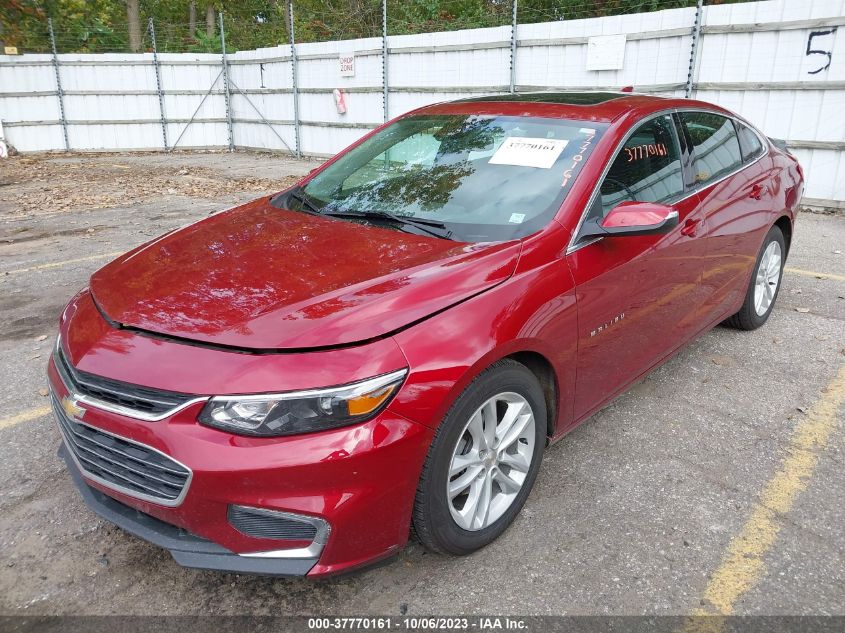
(269, 524)
(134, 469)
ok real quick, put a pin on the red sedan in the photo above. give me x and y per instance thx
(289, 386)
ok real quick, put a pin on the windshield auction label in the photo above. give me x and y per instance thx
(528, 152)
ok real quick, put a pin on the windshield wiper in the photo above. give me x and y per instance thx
(305, 201)
(432, 227)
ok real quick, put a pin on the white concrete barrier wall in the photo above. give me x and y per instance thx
(752, 58)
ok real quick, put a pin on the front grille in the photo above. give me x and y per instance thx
(142, 399)
(269, 524)
(126, 466)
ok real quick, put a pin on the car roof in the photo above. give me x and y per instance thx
(567, 98)
(599, 106)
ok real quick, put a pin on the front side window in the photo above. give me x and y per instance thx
(646, 169)
(714, 144)
(486, 178)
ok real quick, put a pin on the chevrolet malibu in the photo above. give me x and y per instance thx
(295, 385)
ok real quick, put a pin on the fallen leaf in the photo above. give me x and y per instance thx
(43, 337)
(44, 392)
(722, 361)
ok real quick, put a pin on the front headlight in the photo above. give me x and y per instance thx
(297, 412)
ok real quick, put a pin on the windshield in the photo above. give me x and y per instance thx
(483, 178)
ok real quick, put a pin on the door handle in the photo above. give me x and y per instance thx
(757, 191)
(690, 228)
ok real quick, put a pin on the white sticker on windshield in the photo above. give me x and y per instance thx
(517, 218)
(528, 152)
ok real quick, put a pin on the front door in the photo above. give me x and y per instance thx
(638, 296)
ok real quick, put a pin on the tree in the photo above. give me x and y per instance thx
(210, 21)
(133, 21)
(192, 17)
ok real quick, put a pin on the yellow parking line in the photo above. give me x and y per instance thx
(65, 262)
(812, 273)
(743, 565)
(24, 416)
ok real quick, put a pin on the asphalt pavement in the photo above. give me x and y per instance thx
(714, 485)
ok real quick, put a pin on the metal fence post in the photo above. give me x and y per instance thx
(59, 92)
(157, 67)
(693, 56)
(384, 84)
(294, 84)
(513, 47)
(226, 92)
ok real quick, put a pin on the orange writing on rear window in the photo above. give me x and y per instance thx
(642, 151)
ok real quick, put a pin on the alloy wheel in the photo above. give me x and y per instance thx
(768, 278)
(490, 461)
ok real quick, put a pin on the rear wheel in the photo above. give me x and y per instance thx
(765, 284)
(483, 461)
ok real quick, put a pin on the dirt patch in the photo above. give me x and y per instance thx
(29, 326)
(27, 234)
(13, 301)
(47, 184)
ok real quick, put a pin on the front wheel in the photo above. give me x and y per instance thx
(765, 284)
(483, 461)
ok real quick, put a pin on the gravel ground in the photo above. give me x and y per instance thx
(632, 512)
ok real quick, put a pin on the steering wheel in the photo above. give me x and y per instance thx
(622, 185)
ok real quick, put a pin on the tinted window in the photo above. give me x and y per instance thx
(749, 142)
(487, 178)
(714, 144)
(646, 169)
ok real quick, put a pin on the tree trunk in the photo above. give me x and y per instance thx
(210, 21)
(192, 18)
(133, 20)
(284, 7)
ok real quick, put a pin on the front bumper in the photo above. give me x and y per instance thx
(189, 550)
(360, 480)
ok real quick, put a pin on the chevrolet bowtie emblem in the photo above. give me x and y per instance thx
(71, 409)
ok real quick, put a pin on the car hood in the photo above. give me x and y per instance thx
(259, 277)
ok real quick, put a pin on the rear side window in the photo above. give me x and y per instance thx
(646, 169)
(749, 142)
(714, 145)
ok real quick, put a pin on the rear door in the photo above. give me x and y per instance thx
(733, 176)
(637, 295)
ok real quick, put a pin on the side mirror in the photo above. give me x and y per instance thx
(633, 218)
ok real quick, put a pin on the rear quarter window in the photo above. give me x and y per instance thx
(749, 142)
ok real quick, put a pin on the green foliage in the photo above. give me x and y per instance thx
(101, 25)
(203, 43)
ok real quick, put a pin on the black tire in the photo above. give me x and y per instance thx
(747, 317)
(432, 521)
